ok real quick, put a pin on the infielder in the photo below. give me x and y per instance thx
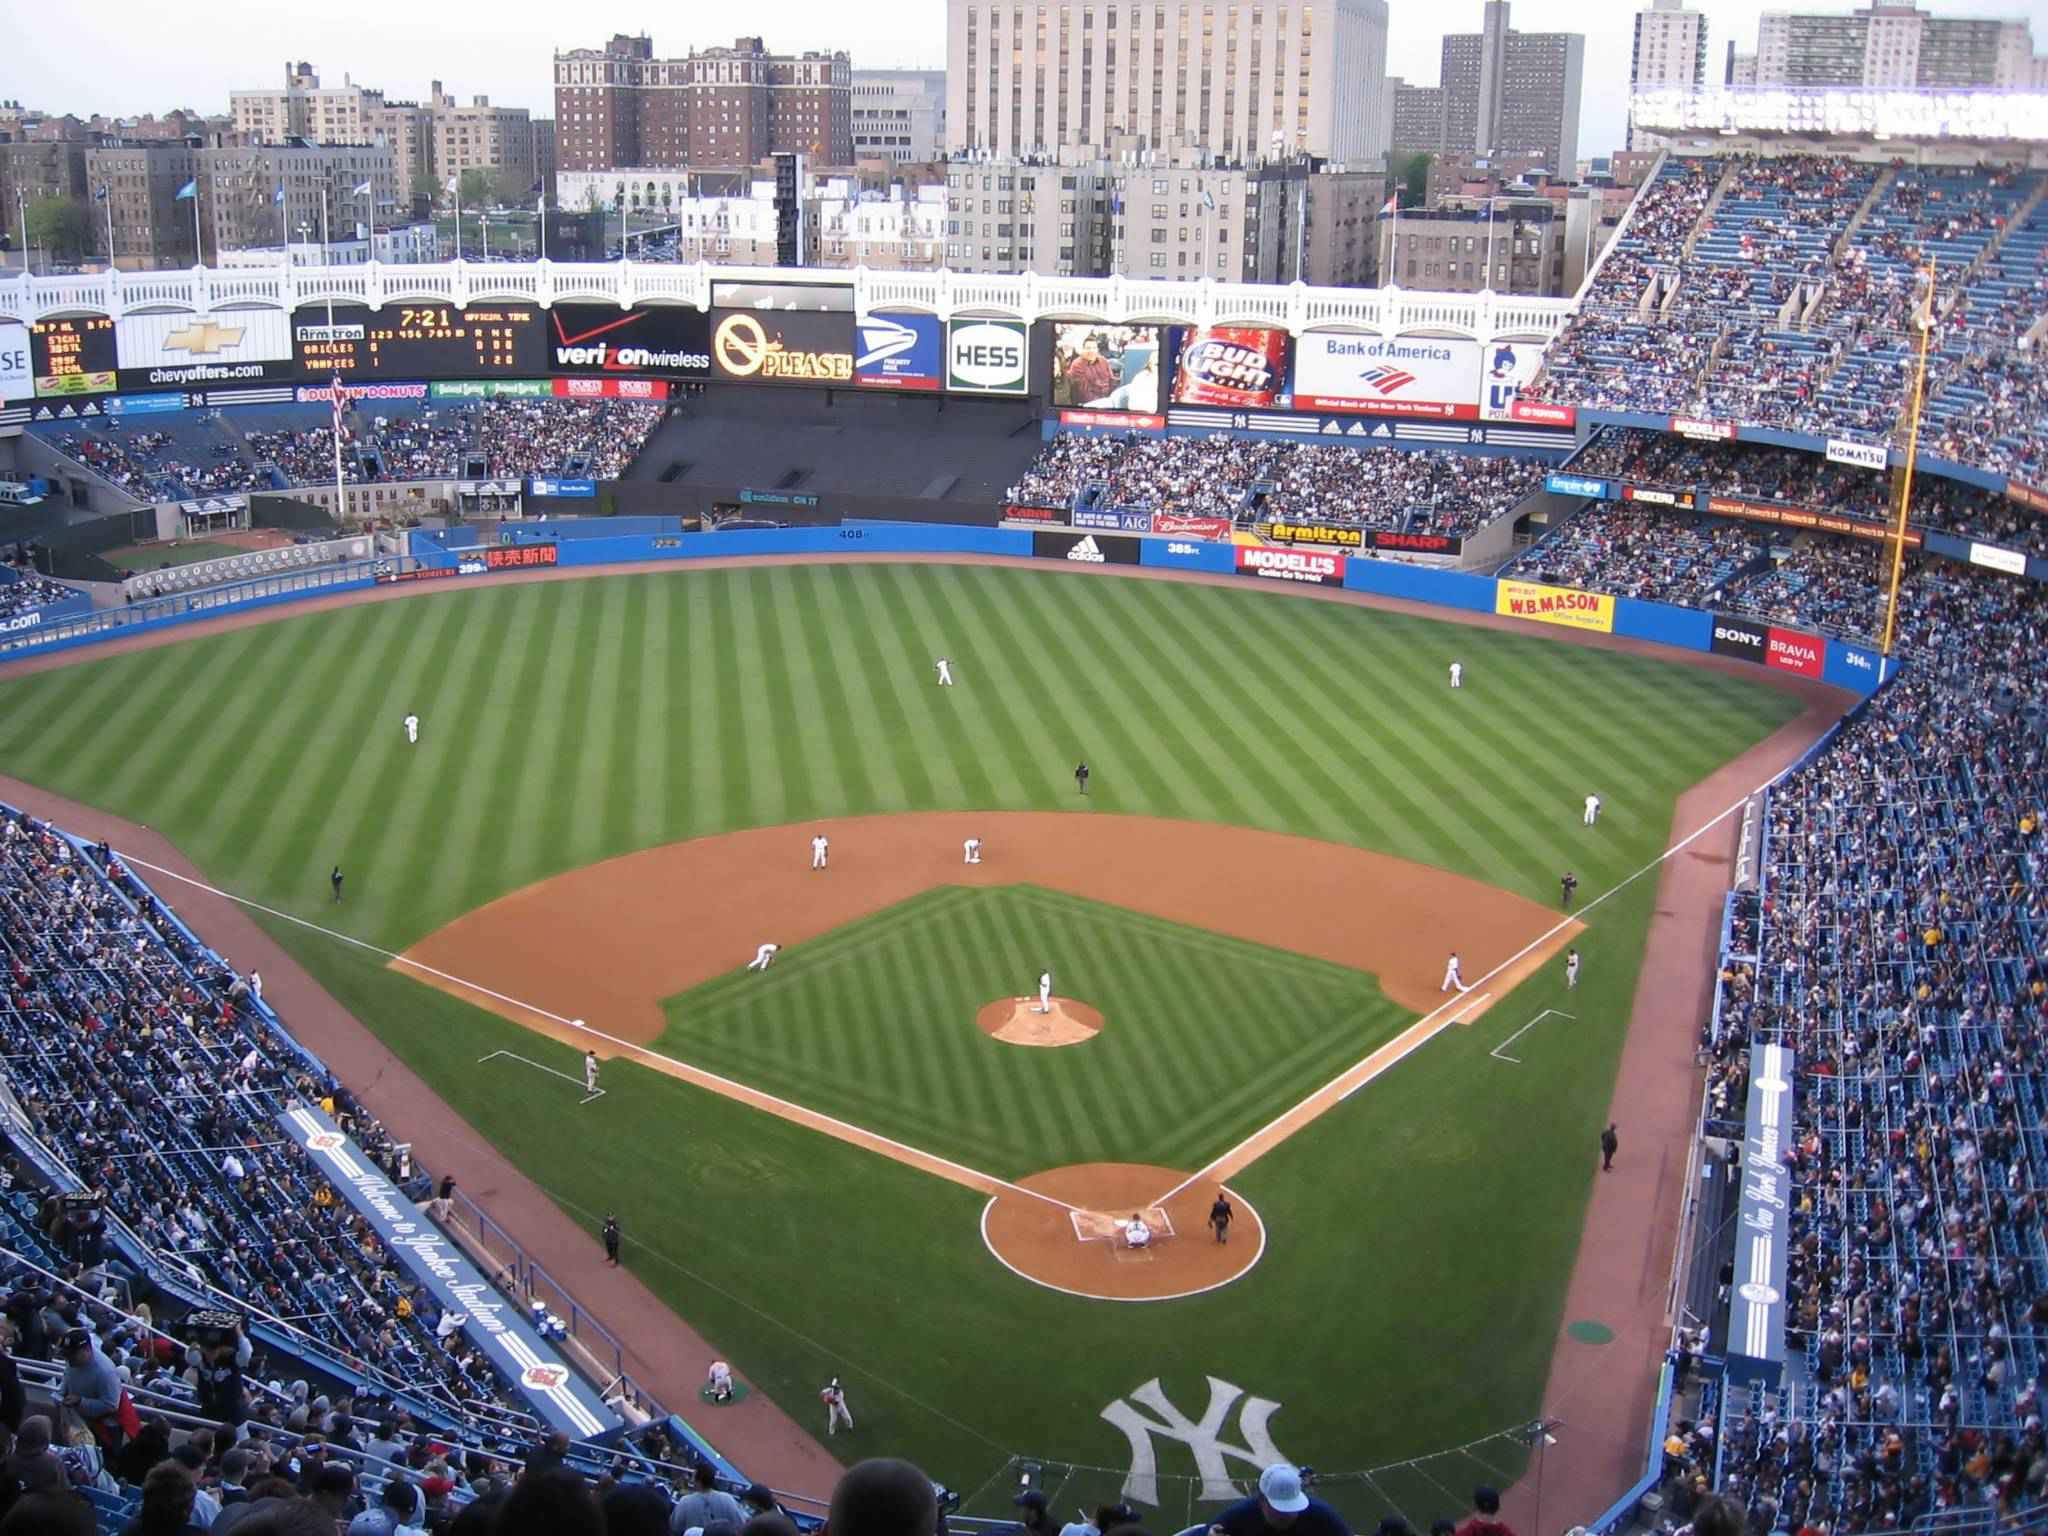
(1571, 968)
(1452, 980)
(820, 847)
(1592, 809)
(1044, 992)
(589, 1071)
(833, 1396)
(945, 672)
(972, 850)
(762, 956)
(412, 729)
(1457, 674)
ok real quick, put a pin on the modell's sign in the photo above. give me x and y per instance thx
(1313, 566)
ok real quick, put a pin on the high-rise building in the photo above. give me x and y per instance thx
(1509, 244)
(1241, 79)
(619, 106)
(1670, 50)
(1418, 120)
(1509, 92)
(899, 114)
(497, 141)
(1892, 45)
(544, 156)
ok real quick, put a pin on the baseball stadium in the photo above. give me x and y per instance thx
(699, 874)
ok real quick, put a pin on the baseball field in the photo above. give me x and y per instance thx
(868, 1161)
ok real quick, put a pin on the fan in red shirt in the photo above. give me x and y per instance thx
(1486, 1521)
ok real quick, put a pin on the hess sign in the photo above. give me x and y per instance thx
(987, 357)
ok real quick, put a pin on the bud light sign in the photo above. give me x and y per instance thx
(1243, 367)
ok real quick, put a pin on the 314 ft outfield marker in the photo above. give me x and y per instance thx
(1500, 1050)
(590, 1097)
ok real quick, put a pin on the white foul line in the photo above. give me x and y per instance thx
(592, 1096)
(1421, 1031)
(1501, 1049)
(855, 1134)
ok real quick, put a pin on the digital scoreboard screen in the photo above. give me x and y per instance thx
(425, 341)
(73, 357)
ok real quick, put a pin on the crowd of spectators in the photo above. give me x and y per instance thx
(28, 592)
(1622, 548)
(1425, 490)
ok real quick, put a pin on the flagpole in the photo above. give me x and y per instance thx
(107, 201)
(340, 492)
(198, 245)
(326, 194)
(543, 211)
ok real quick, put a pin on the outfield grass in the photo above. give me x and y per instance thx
(151, 557)
(1205, 1039)
(1422, 1233)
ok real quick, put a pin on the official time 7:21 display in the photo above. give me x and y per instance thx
(421, 341)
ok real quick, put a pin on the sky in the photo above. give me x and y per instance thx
(128, 57)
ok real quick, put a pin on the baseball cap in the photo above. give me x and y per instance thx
(1030, 1498)
(1280, 1487)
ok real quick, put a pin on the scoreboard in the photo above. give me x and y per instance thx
(73, 357)
(422, 341)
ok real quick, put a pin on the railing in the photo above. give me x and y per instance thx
(229, 569)
(1027, 296)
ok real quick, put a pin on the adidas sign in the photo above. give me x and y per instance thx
(1087, 550)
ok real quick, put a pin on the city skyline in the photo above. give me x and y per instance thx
(102, 58)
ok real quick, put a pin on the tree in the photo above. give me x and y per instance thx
(60, 227)
(474, 187)
(1415, 179)
(512, 191)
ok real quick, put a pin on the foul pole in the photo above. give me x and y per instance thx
(1924, 317)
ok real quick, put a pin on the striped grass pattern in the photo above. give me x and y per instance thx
(1205, 1037)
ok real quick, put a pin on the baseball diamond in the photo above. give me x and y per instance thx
(1286, 830)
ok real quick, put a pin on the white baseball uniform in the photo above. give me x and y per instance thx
(1452, 980)
(590, 1071)
(1592, 809)
(836, 1412)
(945, 672)
(1045, 991)
(762, 956)
(972, 849)
(412, 728)
(1136, 1233)
(1571, 969)
(1457, 674)
(820, 846)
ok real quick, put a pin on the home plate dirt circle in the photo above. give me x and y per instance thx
(1062, 1229)
(1017, 1021)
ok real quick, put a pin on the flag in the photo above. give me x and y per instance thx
(190, 189)
(1208, 200)
(1392, 204)
(340, 393)
(277, 197)
(99, 194)
(362, 190)
(1116, 202)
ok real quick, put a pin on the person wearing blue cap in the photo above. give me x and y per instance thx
(1281, 1504)
(1036, 1519)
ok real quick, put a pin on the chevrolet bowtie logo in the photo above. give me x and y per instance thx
(203, 336)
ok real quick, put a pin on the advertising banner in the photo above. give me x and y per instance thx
(1387, 376)
(1198, 527)
(610, 389)
(73, 357)
(1842, 450)
(239, 346)
(1115, 522)
(1239, 367)
(1085, 548)
(1017, 512)
(898, 351)
(1566, 606)
(321, 394)
(2033, 499)
(1578, 485)
(493, 389)
(1804, 517)
(988, 357)
(143, 405)
(1790, 651)
(493, 1322)
(1537, 414)
(16, 381)
(542, 486)
(1321, 535)
(1656, 497)
(667, 340)
(1763, 1236)
(1316, 567)
(782, 347)
(1397, 541)
(512, 557)
(1122, 421)
(2011, 561)
(1710, 431)
(1509, 366)
(1739, 637)
(1106, 368)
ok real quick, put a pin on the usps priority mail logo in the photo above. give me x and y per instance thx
(882, 339)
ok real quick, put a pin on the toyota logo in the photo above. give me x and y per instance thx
(741, 345)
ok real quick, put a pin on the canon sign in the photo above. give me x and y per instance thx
(988, 357)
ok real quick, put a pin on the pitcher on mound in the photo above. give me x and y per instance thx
(1044, 992)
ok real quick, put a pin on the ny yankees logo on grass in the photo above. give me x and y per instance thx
(1141, 1484)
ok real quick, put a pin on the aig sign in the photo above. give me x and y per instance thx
(988, 357)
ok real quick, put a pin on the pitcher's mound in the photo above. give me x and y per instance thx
(1017, 1021)
(1068, 1229)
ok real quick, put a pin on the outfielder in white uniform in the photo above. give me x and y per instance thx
(820, 846)
(972, 850)
(1457, 674)
(590, 1071)
(1571, 968)
(836, 1414)
(945, 672)
(412, 729)
(1592, 809)
(1452, 980)
(762, 956)
(1044, 992)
